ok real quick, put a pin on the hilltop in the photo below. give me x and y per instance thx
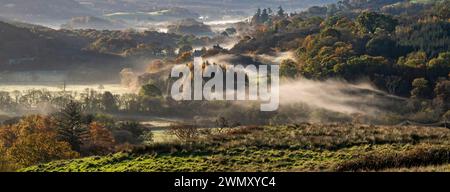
(42, 10)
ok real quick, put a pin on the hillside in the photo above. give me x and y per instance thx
(89, 22)
(42, 10)
(300, 147)
(189, 27)
(27, 47)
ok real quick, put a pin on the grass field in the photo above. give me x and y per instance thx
(301, 147)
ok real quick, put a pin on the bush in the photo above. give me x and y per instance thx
(146, 138)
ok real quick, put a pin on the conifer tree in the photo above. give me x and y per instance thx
(70, 126)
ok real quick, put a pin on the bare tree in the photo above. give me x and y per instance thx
(184, 132)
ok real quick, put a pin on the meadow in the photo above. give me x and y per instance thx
(296, 147)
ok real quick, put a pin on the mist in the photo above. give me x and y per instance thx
(336, 96)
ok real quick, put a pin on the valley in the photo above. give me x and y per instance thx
(90, 86)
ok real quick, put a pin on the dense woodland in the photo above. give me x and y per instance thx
(400, 46)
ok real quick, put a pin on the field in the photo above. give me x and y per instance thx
(299, 147)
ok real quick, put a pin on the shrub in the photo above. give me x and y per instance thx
(146, 138)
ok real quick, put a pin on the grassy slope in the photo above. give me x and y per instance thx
(284, 148)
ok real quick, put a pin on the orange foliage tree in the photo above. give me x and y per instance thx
(99, 141)
(31, 141)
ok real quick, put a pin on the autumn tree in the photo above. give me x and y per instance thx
(39, 148)
(99, 140)
(440, 66)
(184, 57)
(414, 59)
(31, 141)
(288, 68)
(420, 86)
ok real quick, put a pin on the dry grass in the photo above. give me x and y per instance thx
(422, 155)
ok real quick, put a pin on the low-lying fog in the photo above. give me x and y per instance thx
(113, 88)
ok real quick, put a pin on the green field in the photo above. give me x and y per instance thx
(302, 147)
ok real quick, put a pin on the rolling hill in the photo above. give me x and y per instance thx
(300, 147)
(42, 10)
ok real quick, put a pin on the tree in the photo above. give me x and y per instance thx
(440, 66)
(109, 102)
(281, 12)
(184, 57)
(150, 90)
(31, 141)
(184, 132)
(256, 19)
(288, 68)
(331, 10)
(442, 92)
(134, 128)
(99, 141)
(420, 90)
(359, 66)
(446, 118)
(382, 45)
(184, 49)
(442, 9)
(231, 30)
(414, 59)
(146, 138)
(69, 125)
(39, 148)
(370, 21)
(264, 16)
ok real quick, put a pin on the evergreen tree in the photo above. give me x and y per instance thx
(264, 16)
(257, 17)
(70, 127)
(281, 12)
